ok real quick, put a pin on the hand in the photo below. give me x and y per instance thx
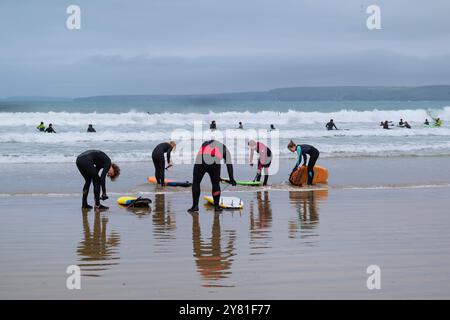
(104, 197)
(233, 182)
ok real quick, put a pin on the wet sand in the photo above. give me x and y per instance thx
(282, 245)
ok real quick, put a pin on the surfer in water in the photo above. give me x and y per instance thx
(241, 126)
(427, 123)
(272, 127)
(158, 160)
(41, 127)
(264, 160)
(213, 125)
(331, 125)
(89, 164)
(208, 160)
(302, 151)
(50, 129)
(90, 128)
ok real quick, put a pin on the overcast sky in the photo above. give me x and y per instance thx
(205, 46)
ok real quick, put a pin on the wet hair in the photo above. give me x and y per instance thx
(291, 144)
(173, 144)
(116, 169)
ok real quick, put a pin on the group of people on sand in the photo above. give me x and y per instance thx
(208, 161)
(50, 129)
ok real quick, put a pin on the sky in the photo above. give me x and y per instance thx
(210, 46)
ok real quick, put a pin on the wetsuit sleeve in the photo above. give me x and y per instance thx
(228, 161)
(299, 155)
(104, 173)
(168, 154)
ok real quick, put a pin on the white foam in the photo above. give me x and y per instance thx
(12, 119)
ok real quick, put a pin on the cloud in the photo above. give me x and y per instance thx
(178, 46)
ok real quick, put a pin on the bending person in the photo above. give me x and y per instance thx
(302, 151)
(264, 160)
(158, 160)
(89, 164)
(208, 160)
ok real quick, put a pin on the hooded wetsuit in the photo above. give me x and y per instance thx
(208, 161)
(158, 160)
(90, 163)
(302, 151)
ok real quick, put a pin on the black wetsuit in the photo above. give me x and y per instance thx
(208, 161)
(302, 151)
(91, 129)
(90, 163)
(158, 160)
(50, 130)
(331, 125)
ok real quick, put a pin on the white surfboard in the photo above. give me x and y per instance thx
(227, 202)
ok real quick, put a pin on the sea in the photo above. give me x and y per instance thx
(128, 129)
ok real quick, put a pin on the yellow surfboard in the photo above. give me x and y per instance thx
(227, 202)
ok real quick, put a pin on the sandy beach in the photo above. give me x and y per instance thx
(285, 244)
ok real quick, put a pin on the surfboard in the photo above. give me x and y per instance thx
(244, 182)
(170, 183)
(125, 201)
(300, 176)
(227, 202)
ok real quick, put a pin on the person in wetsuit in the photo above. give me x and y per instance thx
(41, 127)
(401, 123)
(272, 127)
(331, 125)
(208, 161)
(386, 125)
(406, 125)
(158, 160)
(50, 129)
(91, 128)
(213, 125)
(264, 160)
(427, 123)
(89, 164)
(302, 151)
(241, 126)
(437, 122)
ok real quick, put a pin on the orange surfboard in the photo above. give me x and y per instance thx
(300, 176)
(153, 180)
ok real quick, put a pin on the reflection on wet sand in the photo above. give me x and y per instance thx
(213, 262)
(97, 251)
(307, 220)
(164, 223)
(260, 224)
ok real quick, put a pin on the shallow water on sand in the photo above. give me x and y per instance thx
(283, 244)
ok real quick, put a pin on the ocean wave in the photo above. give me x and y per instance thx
(225, 119)
(73, 137)
(326, 151)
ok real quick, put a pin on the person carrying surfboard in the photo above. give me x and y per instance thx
(208, 161)
(89, 164)
(264, 160)
(158, 160)
(302, 151)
